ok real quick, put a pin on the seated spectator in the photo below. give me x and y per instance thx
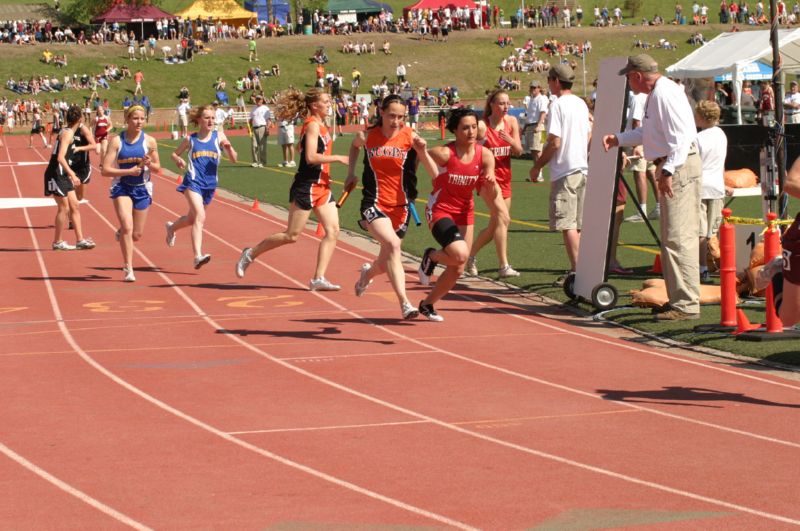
(47, 56)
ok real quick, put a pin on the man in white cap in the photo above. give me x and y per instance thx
(536, 105)
(668, 135)
(792, 104)
(567, 152)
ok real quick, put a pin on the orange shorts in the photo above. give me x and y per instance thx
(310, 195)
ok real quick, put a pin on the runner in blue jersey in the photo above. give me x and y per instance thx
(130, 158)
(201, 177)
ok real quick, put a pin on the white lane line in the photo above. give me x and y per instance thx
(200, 424)
(364, 355)
(63, 486)
(458, 429)
(326, 428)
(541, 321)
(69, 489)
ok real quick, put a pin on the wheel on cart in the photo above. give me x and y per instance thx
(569, 285)
(604, 296)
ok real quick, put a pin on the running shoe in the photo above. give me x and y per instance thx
(129, 276)
(765, 274)
(362, 283)
(291, 164)
(471, 267)
(428, 311)
(636, 218)
(63, 246)
(244, 262)
(540, 178)
(655, 213)
(426, 267)
(170, 234)
(323, 284)
(84, 244)
(507, 272)
(409, 312)
(254, 165)
(202, 260)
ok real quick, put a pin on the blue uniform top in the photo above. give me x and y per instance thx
(204, 161)
(130, 155)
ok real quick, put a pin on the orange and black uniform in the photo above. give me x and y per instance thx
(389, 178)
(312, 182)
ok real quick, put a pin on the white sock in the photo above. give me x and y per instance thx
(644, 207)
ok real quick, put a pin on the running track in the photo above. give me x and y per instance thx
(192, 399)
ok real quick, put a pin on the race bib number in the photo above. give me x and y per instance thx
(371, 214)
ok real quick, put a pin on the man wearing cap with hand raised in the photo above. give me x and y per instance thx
(567, 152)
(668, 135)
(536, 105)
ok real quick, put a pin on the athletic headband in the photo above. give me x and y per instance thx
(134, 108)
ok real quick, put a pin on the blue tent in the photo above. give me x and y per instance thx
(752, 72)
(280, 9)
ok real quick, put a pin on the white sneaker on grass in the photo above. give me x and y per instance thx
(507, 272)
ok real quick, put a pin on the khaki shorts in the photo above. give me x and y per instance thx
(710, 217)
(534, 139)
(641, 165)
(566, 202)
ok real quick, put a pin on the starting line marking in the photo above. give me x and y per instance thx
(29, 202)
(29, 163)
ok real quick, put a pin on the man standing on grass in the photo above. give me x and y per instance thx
(668, 135)
(567, 152)
(259, 123)
(536, 105)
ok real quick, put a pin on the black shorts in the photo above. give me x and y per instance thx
(84, 173)
(36, 130)
(445, 231)
(308, 196)
(57, 183)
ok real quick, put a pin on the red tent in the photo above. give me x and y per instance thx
(436, 4)
(124, 13)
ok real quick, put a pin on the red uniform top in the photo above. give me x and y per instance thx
(389, 177)
(101, 128)
(452, 189)
(791, 252)
(319, 174)
(501, 150)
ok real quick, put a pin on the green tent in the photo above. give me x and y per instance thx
(356, 6)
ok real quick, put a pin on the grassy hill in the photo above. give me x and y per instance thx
(468, 61)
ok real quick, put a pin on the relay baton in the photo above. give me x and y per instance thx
(344, 196)
(414, 214)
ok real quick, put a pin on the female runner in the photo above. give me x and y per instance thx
(60, 180)
(102, 126)
(467, 166)
(500, 133)
(131, 157)
(200, 181)
(311, 187)
(80, 161)
(390, 184)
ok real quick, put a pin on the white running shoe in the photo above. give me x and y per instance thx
(291, 164)
(129, 276)
(84, 244)
(244, 262)
(323, 284)
(63, 246)
(202, 260)
(655, 213)
(170, 234)
(472, 267)
(507, 272)
(636, 218)
(362, 283)
(409, 312)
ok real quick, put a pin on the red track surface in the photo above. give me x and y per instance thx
(192, 399)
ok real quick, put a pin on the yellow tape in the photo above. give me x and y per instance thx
(755, 221)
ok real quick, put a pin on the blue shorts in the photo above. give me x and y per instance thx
(140, 195)
(206, 193)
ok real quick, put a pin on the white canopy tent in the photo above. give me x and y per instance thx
(730, 53)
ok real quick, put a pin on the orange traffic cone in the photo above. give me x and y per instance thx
(255, 205)
(656, 265)
(320, 230)
(743, 324)
(178, 179)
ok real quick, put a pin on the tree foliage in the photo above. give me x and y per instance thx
(633, 6)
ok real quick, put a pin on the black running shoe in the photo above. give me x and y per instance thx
(428, 311)
(426, 267)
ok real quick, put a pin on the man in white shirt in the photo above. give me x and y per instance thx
(567, 152)
(259, 124)
(220, 115)
(642, 169)
(536, 105)
(401, 73)
(792, 104)
(183, 117)
(668, 136)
